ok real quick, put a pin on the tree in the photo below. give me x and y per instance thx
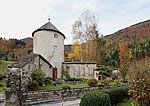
(38, 75)
(76, 54)
(105, 71)
(84, 34)
(139, 74)
(100, 49)
(124, 60)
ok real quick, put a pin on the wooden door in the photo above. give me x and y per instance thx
(54, 72)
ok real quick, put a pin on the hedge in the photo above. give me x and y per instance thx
(117, 94)
(107, 97)
(74, 79)
(92, 82)
(95, 98)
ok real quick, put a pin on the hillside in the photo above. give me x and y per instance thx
(67, 48)
(27, 40)
(132, 33)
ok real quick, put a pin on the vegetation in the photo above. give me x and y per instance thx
(33, 85)
(66, 87)
(60, 86)
(2, 85)
(95, 98)
(39, 76)
(110, 96)
(124, 61)
(14, 49)
(74, 79)
(3, 69)
(140, 80)
(88, 45)
(92, 82)
(117, 95)
(129, 102)
(48, 80)
(105, 71)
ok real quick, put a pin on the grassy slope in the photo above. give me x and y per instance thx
(3, 67)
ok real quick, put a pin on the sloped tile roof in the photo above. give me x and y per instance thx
(21, 63)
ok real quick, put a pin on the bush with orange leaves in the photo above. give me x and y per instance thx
(139, 73)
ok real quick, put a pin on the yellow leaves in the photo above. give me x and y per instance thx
(76, 54)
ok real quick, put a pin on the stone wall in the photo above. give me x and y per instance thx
(53, 96)
(34, 97)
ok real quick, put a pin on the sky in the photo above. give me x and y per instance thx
(19, 18)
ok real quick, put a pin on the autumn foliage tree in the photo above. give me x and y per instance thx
(87, 36)
(76, 53)
(124, 60)
(139, 74)
(14, 49)
(84, 34)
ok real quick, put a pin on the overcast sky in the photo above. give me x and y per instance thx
(19, 18)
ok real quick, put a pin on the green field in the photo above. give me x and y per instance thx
(3, 68)
(59, 86)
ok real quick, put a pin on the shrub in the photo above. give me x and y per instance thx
(74, 79)
(105, 71)
(95, 98)
(33, 85)
(38, 75)
(101, 85)
(48, 80)
(92, 82)
(139, 73)
(117, 94)
(66, 87)
(106, 82)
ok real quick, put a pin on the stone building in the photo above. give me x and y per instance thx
(30, 63)
(18, 75)
(79, 69)
(48, 41)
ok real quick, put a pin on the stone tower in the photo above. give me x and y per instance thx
(48, 41)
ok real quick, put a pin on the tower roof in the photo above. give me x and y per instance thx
(48, 26)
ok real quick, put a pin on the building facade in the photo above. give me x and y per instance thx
(79, 69)
(26, 66)
(48, 41)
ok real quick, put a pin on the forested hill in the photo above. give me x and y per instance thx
(138, 37)
(132, 33)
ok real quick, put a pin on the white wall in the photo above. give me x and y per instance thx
(49, 47)
(80, 70)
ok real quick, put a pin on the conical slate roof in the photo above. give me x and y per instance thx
(48, 26)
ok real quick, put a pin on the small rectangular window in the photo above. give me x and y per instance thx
(55, 36)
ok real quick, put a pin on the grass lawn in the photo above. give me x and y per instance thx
(129, 102)
(3, 67)
(59, 86)
(2, 85)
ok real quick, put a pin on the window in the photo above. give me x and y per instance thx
(55, 36)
